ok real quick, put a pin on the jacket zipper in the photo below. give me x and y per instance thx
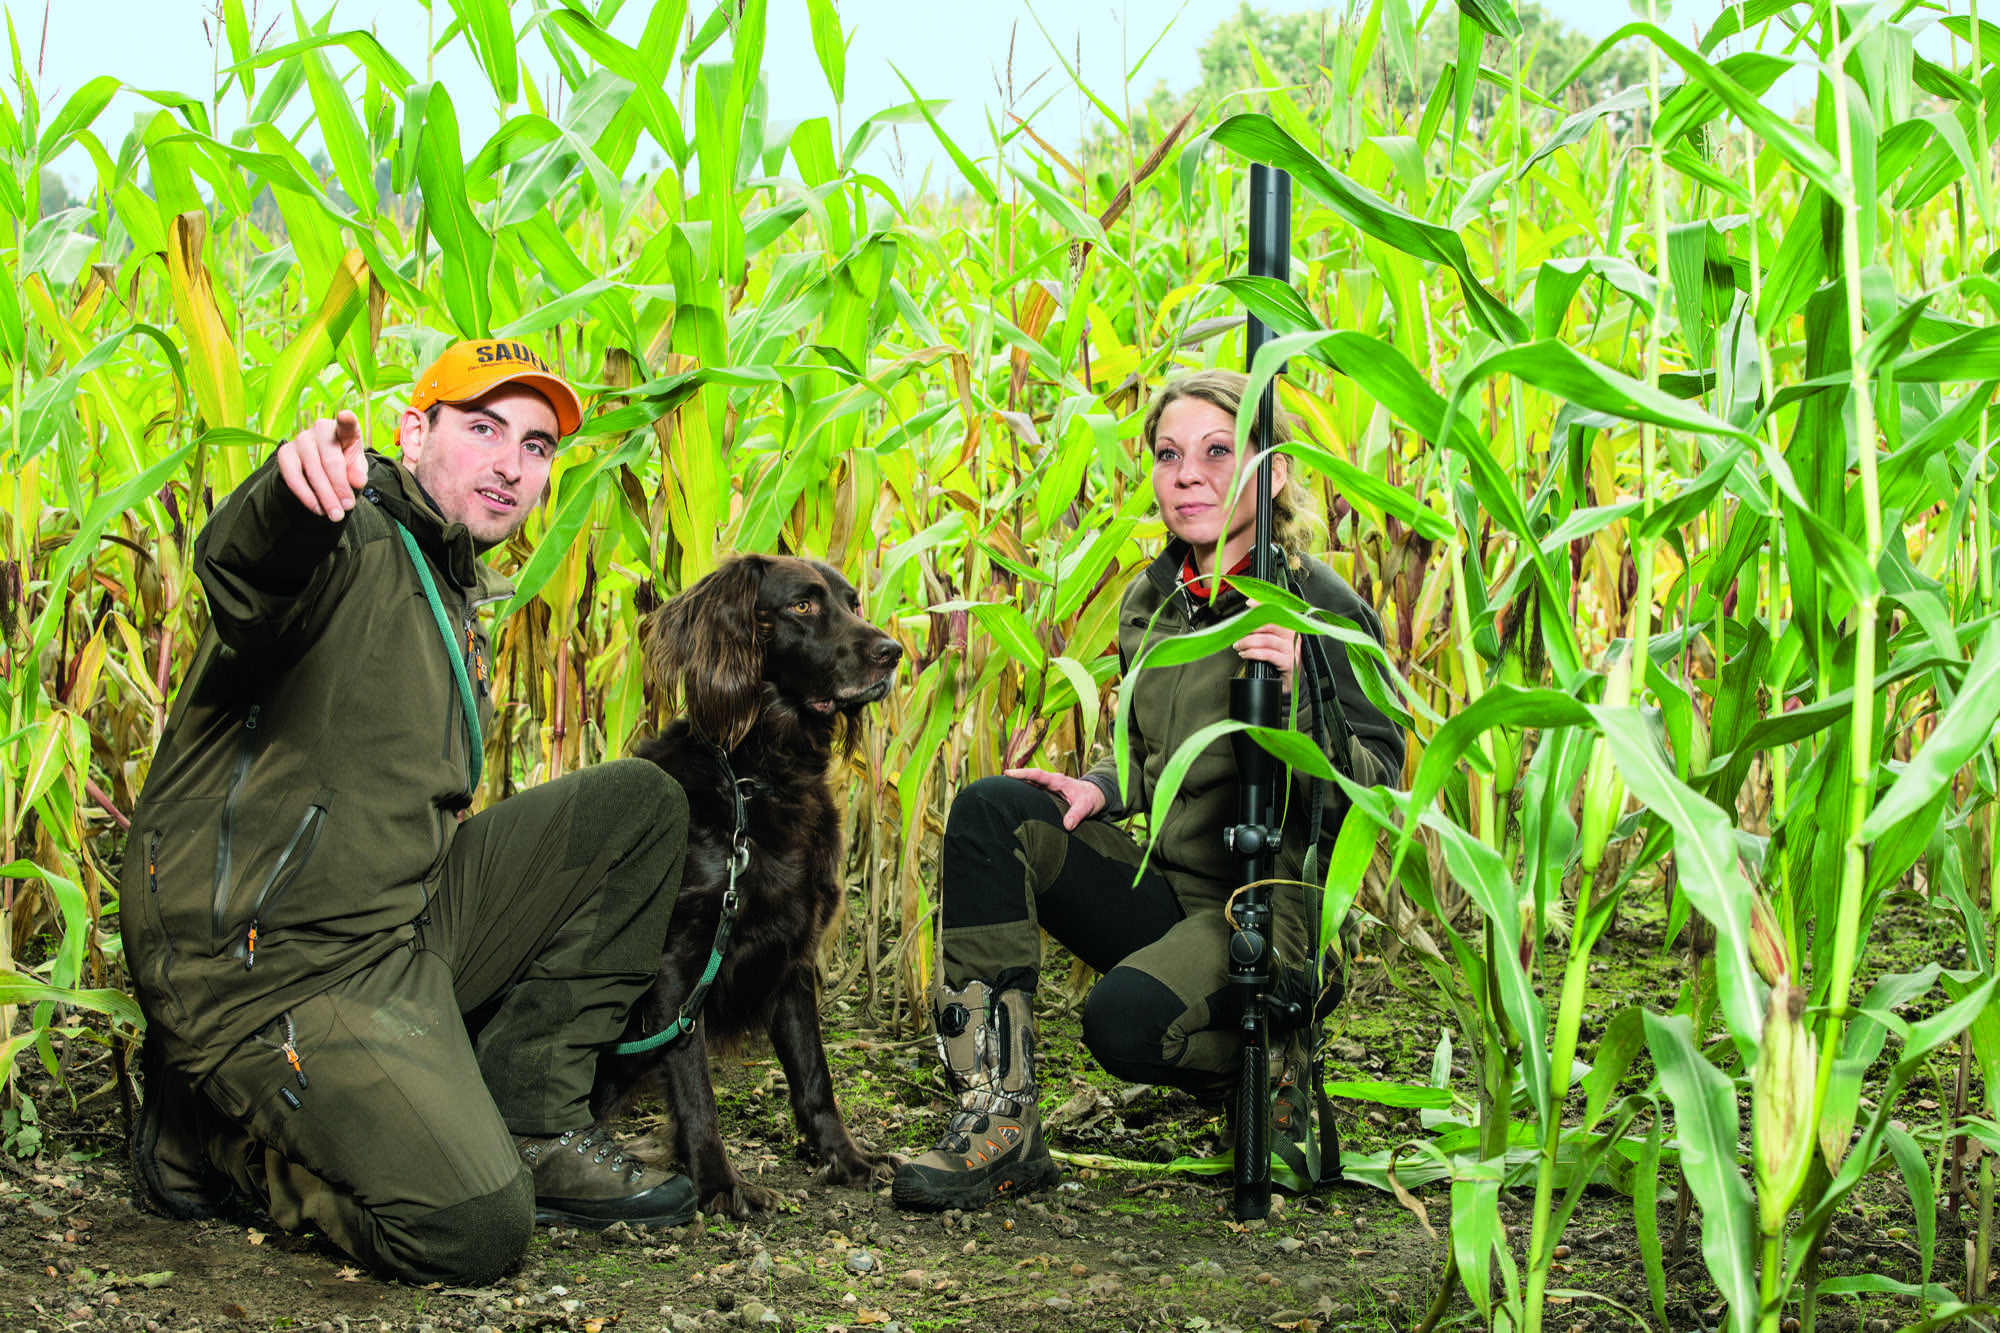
(475, 656)
(166, 940)
(246, 748)
(282, 876)
(290, 1050)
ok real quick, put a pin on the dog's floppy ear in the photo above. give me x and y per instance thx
(707, 649)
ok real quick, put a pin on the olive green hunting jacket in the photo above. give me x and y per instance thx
(1169, 704)
(313, 769)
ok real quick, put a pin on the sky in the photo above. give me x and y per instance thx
(946, 48)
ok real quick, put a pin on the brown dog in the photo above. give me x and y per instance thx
(774, 664)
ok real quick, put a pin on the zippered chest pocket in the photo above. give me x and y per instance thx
(284, 873)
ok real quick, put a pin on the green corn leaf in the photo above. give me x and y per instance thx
(83, 542)
(709, 33)
(643, 73)
(1558, 369)
(1797, 147)
(1923, 1200)
(582, 488)
(491, 29)
(1392, 1094)
(364, 46)
(1009, 629)
(829, 45)
(1495, 16)
(16, 988)
(468, 250)
(346, 141)
(1706, 1127)
(1066, 214)
(1465, 69)
(1965, 729)
(1475, 1229)
(1479, 871)
(973, 176)
(1260, 139)
(1575, 126)
(1502, 705)
(78, 113)
(1970, 357)
(1947, 1315)
(1706, 857)
(1646, 1214)
(1367, 491)
(1624, 1037)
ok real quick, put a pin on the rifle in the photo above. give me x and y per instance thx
(1256, 700)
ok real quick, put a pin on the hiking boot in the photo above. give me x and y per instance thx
(993, 1143)
(583, 1180)
(166, 1144)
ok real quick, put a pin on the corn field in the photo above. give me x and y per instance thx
(1660, 429)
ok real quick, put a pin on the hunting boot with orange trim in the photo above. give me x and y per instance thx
(993, 1143)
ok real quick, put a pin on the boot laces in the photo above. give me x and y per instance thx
(607, 1152)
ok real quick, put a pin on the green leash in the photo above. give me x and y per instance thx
(475, 746)
(739, 858)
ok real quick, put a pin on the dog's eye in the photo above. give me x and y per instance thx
(804, 606)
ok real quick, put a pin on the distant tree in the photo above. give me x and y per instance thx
(1301, 48)
(55, 193)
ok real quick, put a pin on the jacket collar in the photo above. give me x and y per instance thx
(449, 545)
(1165, 576)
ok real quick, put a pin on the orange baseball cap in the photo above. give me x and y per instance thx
(469, 369)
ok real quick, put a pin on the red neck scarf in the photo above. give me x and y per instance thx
(1207, 587)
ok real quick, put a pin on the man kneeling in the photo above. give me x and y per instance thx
(369, 1013)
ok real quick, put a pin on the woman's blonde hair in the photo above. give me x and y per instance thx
(1295, 522)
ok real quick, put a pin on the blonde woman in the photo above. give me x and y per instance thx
(1037, 850)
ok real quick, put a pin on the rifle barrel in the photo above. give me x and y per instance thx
(1256, 700)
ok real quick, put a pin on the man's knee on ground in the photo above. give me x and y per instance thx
(467, 1244)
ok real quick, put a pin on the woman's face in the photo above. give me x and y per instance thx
(1194, 463)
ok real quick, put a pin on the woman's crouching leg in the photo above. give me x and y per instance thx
(1166, 1015)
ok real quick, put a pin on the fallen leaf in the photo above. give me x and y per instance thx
(235, 1312)
(872, 1317)
(348, 1274)
(256, 1237)
(150, 1281)
(1410, 1201)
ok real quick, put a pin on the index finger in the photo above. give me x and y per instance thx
(346, 431)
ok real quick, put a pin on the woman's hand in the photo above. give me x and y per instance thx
(1083, 799)
(1273, 644)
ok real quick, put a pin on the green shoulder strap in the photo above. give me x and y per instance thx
(475, 746)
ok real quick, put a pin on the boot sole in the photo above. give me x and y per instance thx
(546, 1216)
(933, 1194)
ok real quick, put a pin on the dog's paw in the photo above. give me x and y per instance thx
(860, 1169)
(741, 1200)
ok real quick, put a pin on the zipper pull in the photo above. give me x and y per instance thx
(475, 653)
(291, 1054)
(250, 946)
(250, 722)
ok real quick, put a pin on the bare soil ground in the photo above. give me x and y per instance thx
(1107, 1249)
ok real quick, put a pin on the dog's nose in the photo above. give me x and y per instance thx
(885, 652)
